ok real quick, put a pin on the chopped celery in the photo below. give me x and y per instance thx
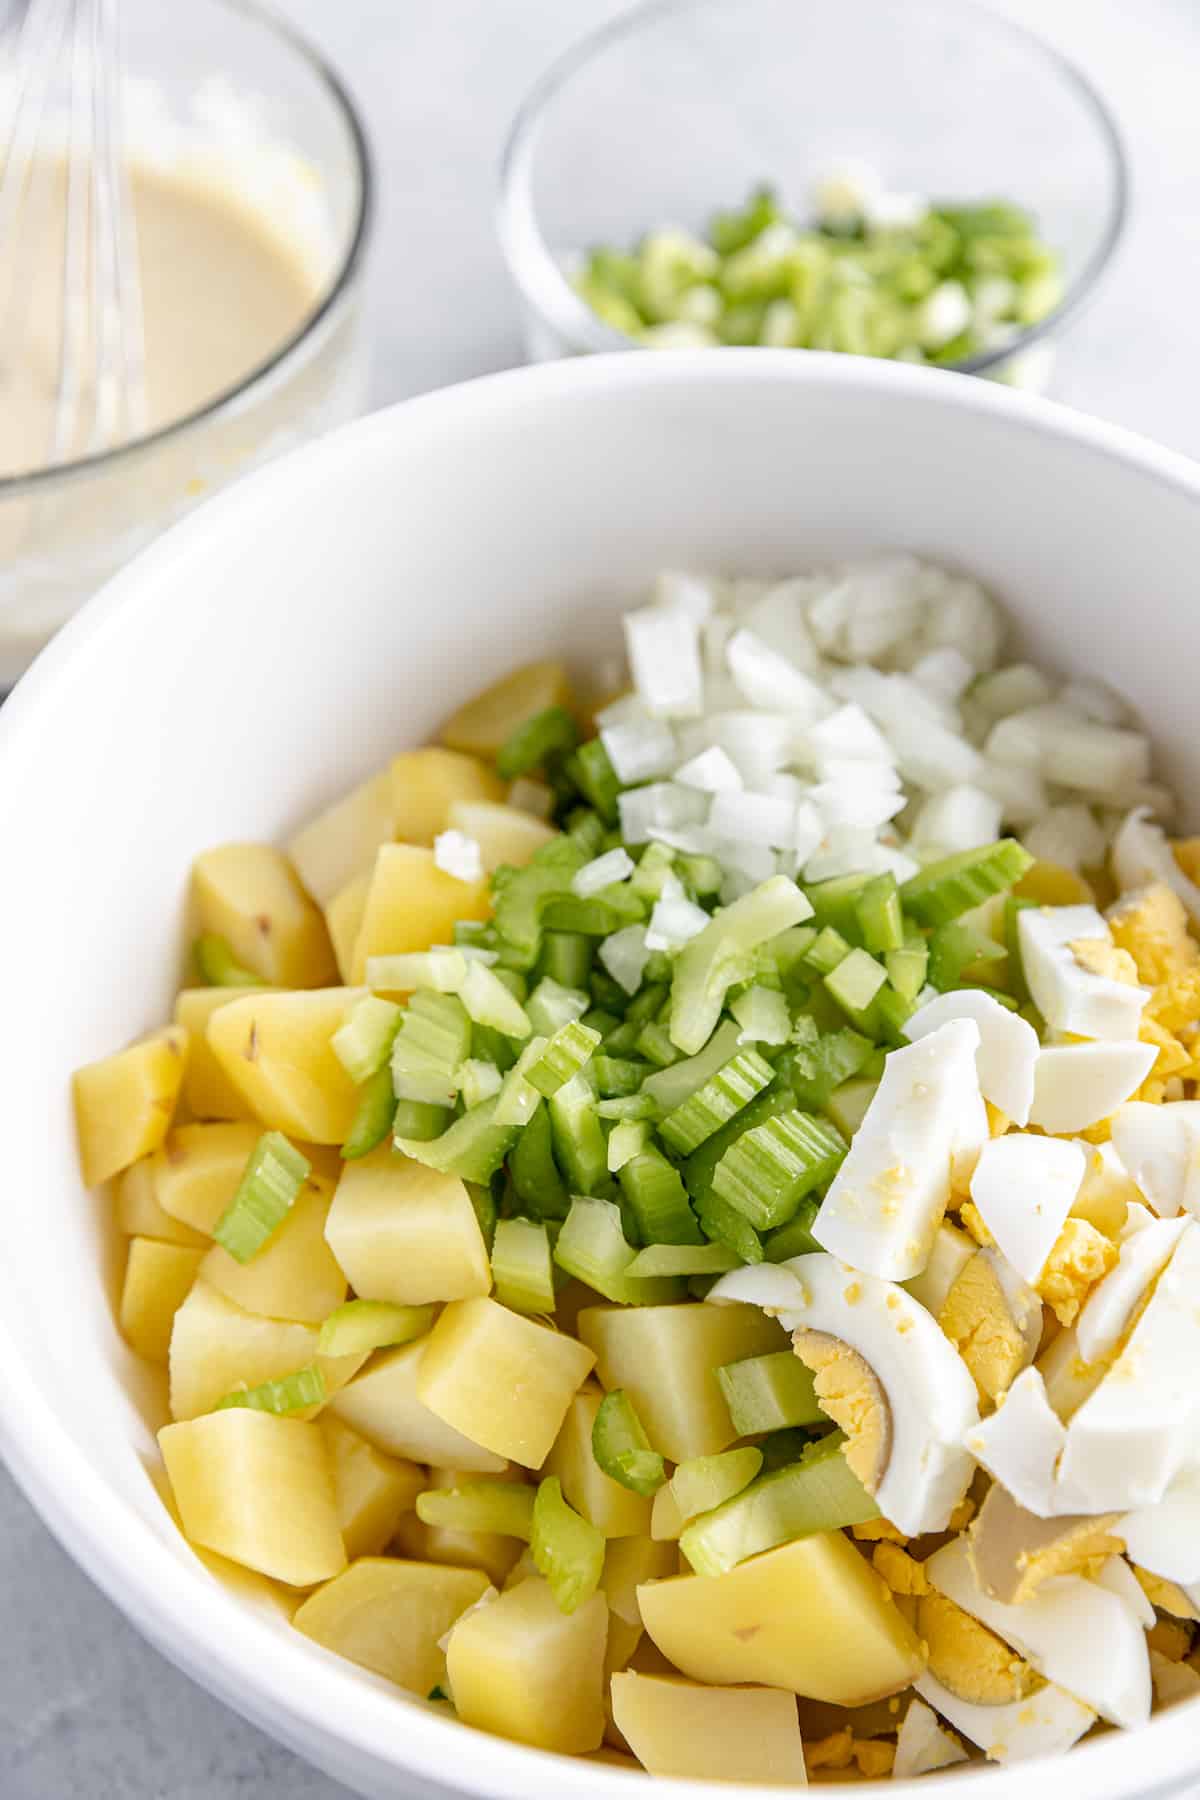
(617, 1076)
(472, 1148)
(961, 952)
(483, 1203)
(627, 1106)
(819, 1493)
(360, 1326)
(722, 1096)
(287, 1394)
(723, 1224)
(769, 1169)
(474, 934)
(647, 1004)
(683, 1259)
(441, 970)
(519, 896)
(514, 980)
(521, 1266)
(501, 1507)
(219, 967)
(566, 960)
(877, 909)
(835, 903)
(782, 1447)
(715, 958)
(586, 830)
(567, 1549)
(488, 1001)
(627, 1139)
(374, 1116)
(907, 968)
(1013, 908)
(598, 916)
(655, 1192)
(433, 1041)
(602, 1021)
(517, 1100)
(562, 1057)
(578, 1136)
(701, 1165)
(704, 1482)
(762, 1014)
(417, 1119)
(593, 774)
(767, 1393)
(266, 1193)
(888, 1013)
(671, 1087)
(826, 951)
(548, 734)
(856, 980)
(702, 874)
(621, 1448)
(492, 1046)
(817, 1069)
(788, 949)
(539, 1186)
(622, 1040)
(478, 1081)
(656, 862)
(653, 1042)
(363, 1044)
(592, 1246)
(551, 1005)
(945, 890)
(795, 1238)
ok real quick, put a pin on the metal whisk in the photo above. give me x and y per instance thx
(63, 149)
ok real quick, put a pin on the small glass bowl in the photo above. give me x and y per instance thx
(681, 107)
(225, 80)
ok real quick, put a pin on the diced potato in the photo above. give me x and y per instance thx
(406, 1233)
(249, 895)
(486, 1550)
(485, 723)
(157, 1279)
(665, 1357)
(504, 834)
(499, 1378)
(139, 1214)
(382, 1403)
(812, 1617)
(623, 1640)
(387, 1616)
(344, 917)
(427, 783)
(197, 1171)
(341, 842)
(373, 1491)
(207, 1089)
(295, 1275)
(525, 1670)
(216, 1347)
(1049, 884)
(628, 1562)
(742, 1734)
(276, 1049)
(666, 1518)
(123, 1104)
(411, 904)
(612, 1509)
(258, 1490)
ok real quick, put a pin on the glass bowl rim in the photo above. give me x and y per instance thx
(546, 291)
(38, 480)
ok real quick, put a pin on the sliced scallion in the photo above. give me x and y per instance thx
(266, 1193)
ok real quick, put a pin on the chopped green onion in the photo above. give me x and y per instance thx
(478, 1081)
(219, 967)
(617, 1076)
(417, 1119)
(659, 1200)
(621, 1448)
(363, 1044)
(795, 1238)
(856, 980)
(578, 1137)
(722, 1096)
(769, 1169)
(762, 1013)
(817, 1069)
(546, 735)
(704, 1482)
(288, 1394)
(907, 968)
(266, 1193)
(723, 1224)
(592, 1246)
(567, 1549)
(877, 910)
(472, 1148)
(441, 971)
(826, 951)
(766, 1393)
(945, 890)
(562, 1057)
(566, 960)
(683, 1259)
(628, 1138)
(374, 1116)
(360, 1326)
(593, 774)
(710, 964)
(521, 1266)
(433, 1042)
(504, 1508)
(819, 1493)
(535, 1177)
(488, 1001)
(550, 1006)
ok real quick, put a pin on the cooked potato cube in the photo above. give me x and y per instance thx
(525, 1670)
(812, 1617)
(742, 1734)
(406, 1233)
(276, 1049)
(207, 1089)
(157, 1280)
(427, 783)
(258, 1490)
(217, 1346)
(612, 1509)
(387, 1616)
(249, 895)
(123, 1104)
(486, 722)
(197, 1171)
(382, 1403)
(344, 917)
(411, 904)
(500, 1379)
(628, 1562)
(340, 843)
(295, 1275)
(504, 834)
(139, 1214)
(373, 1492)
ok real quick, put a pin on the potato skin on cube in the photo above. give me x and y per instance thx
(425, 784)
(500, 1379)
(207, 1089)
(522, 1669)
(411, 904)
(257, 1489)
(275, 1048)
(383, 1404)
(372, 1491)
(158, 1277)
(387, 1615)
(484, 724)
(406, 1233)
(615, 1510)
(249, 894)
(742, 1734)
(124, 1102)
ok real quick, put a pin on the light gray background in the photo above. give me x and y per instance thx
(85, 1707)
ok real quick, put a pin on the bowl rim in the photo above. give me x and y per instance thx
(47, 478)
(184, 1610)
(538, 276)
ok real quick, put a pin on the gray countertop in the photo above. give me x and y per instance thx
(85, 1706)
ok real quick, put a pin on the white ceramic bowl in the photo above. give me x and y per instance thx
(277, 646)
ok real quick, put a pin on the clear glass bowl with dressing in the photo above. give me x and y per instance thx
(253, 190)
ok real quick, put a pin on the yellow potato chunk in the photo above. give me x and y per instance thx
(139, 1214)
(197, 1171)
(741, 1734)
(666, 1517)
(383, 1405)
(628, 1562)
(123, 1103)
(340, 843)
(666, 1358)
(486, 1550)
(504, 834)
(485, 723)
(387, 1616)
(521, 1668)
(295, 1275)
(500, 1379)
(372, 1491)
(411, 904)
(217, 1346)
(425, 784)
(612, 1509)
(258, 1490)
(207, 1089)
(276, 1050)
(249, 895)
(157, 1279)
(811, 1617)
(406, 1233)
(344, 917)
(1049, 884)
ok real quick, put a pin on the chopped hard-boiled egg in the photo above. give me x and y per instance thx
(952, 1251)
(1077, 1085)
(1160, 1147)
(1013, 1551)
(1024, 1187)
(1043, 1724)
(1020, 1443)
(922, 1746)
(1142, 856)
(1110, 1306)
(1165, 1538)
(1067, 986)
(1152, 925)
(1008, 1046)
(994, 1321)
(1080, 1259)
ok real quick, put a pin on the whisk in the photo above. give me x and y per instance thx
(62, 142)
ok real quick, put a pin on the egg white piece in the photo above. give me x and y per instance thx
(1020, 1443)
(1077, 1634)
(925, 1124)
(1024, 1187)
(952, 1251)
(1075, 1085)
(1141, 855)
(1069, 1379)
(1068, 996)
(1160, 1148)
(1166, 1538)
(1109, 1307)
(1045, 1724)
(1116, 1575)
(1008, 1046)
(922, 1746)
(773, 1287)
(1024, 1302)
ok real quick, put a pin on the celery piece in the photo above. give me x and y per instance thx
(709, 965)
(514, 980)
(488, 1000)
(504, 1508)
(835, 903)
(723, 1224)
(788, 949)
(483, 1204)
(473, 933)
(597, 916)
(653, 1042)
(534, 1172)
(877, 909)
(364, 1043)
(547, 735)
(441, 970)
(472, 1148)
(670, 1087)
(701, 875)
(519, 896)
(562, 1057)
(769, 1169)
(266, 1193)
(683, 1259)
(521, 1266)
(795, 1238)
(655, 1192)
(817, 1069)
(906, 969)
(946, 889)
(621, 1448)
(593, 1247)
(517, 1100)
(1013, 908)
(762, 1014)
(617, 1076)
(287, 1394)
(627, 1139)
(621, 1041)
(826, 951)
(704, 1482)
(492, 1046)
(551, 1005)
(360, 1326)
(593, 774)
(960, 952)
(729, 232)
(433, 1041)
(701, 1165)
(647, 1004)
(566, 958)
(417, 1119)
(847, 1105)
(600, 1020)
(819, 1493)
(627, 1106)
(218, 966)
(656, 862)
(725, 1094)
(888, 1014)
(779, 1448)
(577, 1134)
(567, 1549)
(856, 980)
(374, 1116)
(586, 830)
(767, 1393)
(478, 1081)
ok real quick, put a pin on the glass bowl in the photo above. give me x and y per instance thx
(682, 107)
(232, 85)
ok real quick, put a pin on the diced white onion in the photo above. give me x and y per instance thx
(662, 806)
(601, 872)
(946, 672)
(458, 855)
(675, 918)
(691, 593)
(664, 654)
(1067, 835)
(711, 771)
(767, 679)
(625, 955)
(753, 819)
(959, 818)
(640, 749)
